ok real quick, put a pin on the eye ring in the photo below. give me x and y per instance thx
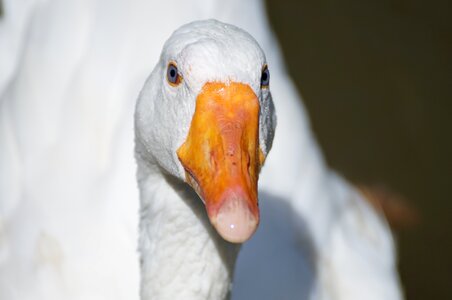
(265, 77)
(172, 75)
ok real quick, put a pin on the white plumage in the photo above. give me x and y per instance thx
(70, 74)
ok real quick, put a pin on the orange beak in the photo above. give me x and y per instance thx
(222, 159)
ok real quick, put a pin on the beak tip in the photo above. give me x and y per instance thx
(235, 221)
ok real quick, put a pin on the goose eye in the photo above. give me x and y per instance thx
(172, 75)
(265, 77)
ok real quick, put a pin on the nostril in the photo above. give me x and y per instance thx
(213, 161)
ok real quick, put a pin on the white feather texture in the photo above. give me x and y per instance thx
(70, 74)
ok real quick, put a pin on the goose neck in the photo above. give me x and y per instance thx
(182, 257)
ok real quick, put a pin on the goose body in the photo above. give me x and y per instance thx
(69, 201)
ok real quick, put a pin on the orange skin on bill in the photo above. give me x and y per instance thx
(222, 158)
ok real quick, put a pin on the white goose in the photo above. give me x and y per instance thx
(210, 81)
(205, 116)
(69, 75)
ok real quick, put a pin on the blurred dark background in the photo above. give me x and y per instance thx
(376, 79)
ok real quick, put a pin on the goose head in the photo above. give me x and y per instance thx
(206, 117)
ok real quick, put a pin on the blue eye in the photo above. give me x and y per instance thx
(173, 75)
(265, 77)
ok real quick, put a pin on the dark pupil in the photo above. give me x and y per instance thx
(172, 73)
(265, 77)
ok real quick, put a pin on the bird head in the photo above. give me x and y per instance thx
(206, 116)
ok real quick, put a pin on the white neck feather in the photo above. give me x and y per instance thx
(181, 255)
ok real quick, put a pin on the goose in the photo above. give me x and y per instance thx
(205, 116)
(212, 80)
(70, 74)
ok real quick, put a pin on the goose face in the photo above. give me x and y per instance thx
(215, 120)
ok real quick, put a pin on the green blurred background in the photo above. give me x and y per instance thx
(376, 78)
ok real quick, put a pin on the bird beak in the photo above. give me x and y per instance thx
(222, 159)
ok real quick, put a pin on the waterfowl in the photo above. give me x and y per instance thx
(69, 201)
(205, 116)
(184, 134)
